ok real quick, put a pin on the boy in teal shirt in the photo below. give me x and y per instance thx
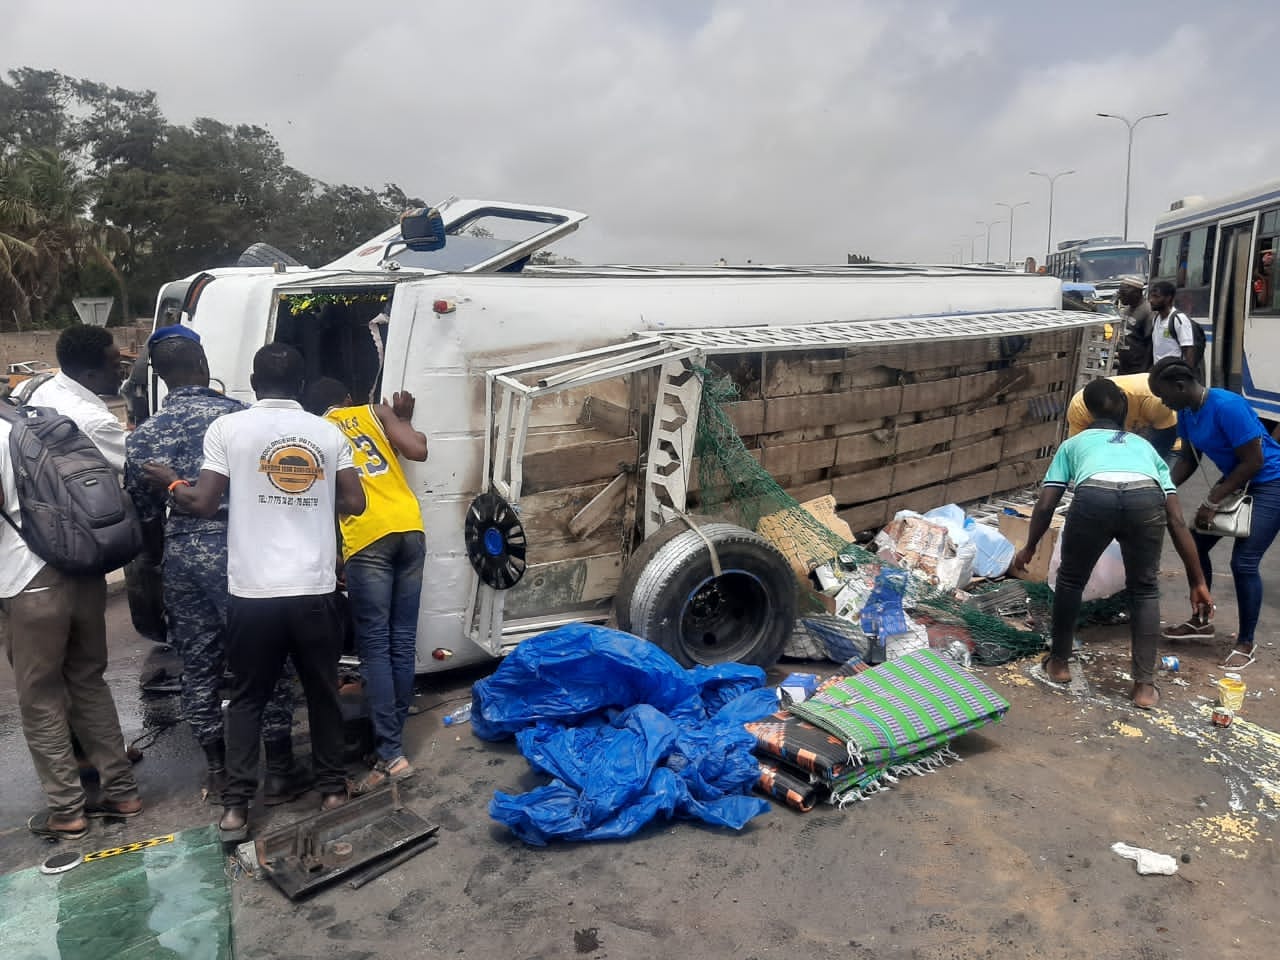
(1123, 492)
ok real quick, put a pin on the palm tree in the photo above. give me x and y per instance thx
(45, 236)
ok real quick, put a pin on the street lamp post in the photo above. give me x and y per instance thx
(1012, 207)
(1128, 163)
(1052, 178)
(989, 224)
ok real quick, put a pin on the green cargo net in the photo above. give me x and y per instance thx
(734, 486)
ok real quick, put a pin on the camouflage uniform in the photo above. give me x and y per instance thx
(195, 561)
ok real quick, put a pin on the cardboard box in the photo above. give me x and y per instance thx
(799, 542)
(798, 687)
(1014, 526)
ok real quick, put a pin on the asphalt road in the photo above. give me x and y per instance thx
(1003, 855)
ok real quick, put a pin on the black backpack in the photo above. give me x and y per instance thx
(1197, 336)
(75, 516)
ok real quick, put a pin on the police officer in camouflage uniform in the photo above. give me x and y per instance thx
(195, 563)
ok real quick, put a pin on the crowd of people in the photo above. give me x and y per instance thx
(264, 507)
(257, 504)
(1120, 458)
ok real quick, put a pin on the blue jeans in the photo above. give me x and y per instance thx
(1133, 514)
(1246, 555)
(384, 584)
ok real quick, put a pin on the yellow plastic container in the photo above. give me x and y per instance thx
(1231, 692)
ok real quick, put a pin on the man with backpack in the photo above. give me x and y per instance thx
(1173, 334)
(65, 522)
(89, 363)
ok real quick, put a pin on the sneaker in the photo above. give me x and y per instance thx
(1192, 629)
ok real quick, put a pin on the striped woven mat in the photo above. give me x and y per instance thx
(903, 709)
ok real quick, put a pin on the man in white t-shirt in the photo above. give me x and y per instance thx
(89, 368)
(1171, 333)
(57, 624)
(57, 645)
(287, 475)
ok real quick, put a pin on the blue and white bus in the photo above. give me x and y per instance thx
(1220, 255)
(1101, 261)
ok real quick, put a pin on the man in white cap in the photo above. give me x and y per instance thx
(1134, 353)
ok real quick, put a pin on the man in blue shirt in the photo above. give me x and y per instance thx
(195, 563)
(1123, 492)
(1222, 426)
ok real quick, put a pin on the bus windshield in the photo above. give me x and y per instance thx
(1099, 265)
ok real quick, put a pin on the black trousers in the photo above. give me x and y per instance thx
(260, 635)
(1133, 514)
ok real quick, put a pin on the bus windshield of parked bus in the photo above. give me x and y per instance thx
(1099, 265)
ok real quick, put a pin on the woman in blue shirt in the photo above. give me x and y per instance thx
(1222, 426)
(1123, 492)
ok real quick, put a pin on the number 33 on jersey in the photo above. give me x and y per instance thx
(391, 505)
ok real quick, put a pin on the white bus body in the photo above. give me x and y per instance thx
(1213, 252)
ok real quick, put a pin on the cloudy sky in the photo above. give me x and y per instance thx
(695, 129)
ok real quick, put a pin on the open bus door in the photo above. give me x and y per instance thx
(1231, 305)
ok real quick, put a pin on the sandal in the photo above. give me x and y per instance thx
(38, 824)
(383, 771)
(1237, 659)
(1145, 706)
(1044, 665)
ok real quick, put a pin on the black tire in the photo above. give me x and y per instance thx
(265, 255)
(636, 563)
(746, 615)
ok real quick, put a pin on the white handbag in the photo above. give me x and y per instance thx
(1234, 514)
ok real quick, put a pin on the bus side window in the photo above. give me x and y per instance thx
(1264, 276)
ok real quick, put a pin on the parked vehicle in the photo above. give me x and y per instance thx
(561, 406)
(1101, 261)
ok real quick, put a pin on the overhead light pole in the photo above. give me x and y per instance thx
(1128, 163)
(1011, 207)
(989, 224)
(1052, 178)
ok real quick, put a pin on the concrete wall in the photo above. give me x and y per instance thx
(40, 344)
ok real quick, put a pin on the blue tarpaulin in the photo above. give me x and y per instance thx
(626, 734)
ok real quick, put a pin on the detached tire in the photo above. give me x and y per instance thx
(639, 560)
(746, 615)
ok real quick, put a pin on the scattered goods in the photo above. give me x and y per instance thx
(302, 857)
(1223, 716)
(1231, 691)
(624, 732)
(898, 718)
(798, 687)
(1015, 522)
(782, 784)
(461, 715)
(1170, 663)
(1148, 861)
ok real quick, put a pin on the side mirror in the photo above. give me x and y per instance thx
(422, 229)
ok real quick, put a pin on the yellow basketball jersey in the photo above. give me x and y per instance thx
(390, 505)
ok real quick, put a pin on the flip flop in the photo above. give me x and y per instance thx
(1159, 697)
(38, 824)
(1237, 660)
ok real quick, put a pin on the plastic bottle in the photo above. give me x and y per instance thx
(461, 715)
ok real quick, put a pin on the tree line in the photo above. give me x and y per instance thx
(100, 195)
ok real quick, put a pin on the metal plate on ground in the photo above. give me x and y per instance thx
(307, 855)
